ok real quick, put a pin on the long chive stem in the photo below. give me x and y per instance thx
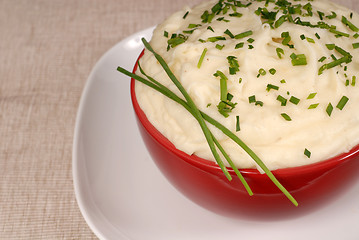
(162, 89)
(196, 113)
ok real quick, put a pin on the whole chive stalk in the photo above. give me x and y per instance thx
(191, 104)
(212, 121)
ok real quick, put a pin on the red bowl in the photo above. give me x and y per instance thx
(204, 183)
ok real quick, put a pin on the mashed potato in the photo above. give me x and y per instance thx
(290, 68)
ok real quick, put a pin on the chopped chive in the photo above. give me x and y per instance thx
(271, 86)
(280, 52)
(238, 128)
(338, 33)
(236, 14)
(286, 116)
(343, 101)
(298, 60)
(347, 82)
(329, 109)
(280, 21)
(250, 40)
(250, 47)
(282, 81)
(282, 100)
(215, 39)
(233, 65)
(165, 34)
(322, 59)
(333, 15)
(200, 61)
(252, 99)
(192, 25)
(311, 40)
(330, 46)
(259, 103)
(307, 153)
(356, 35)
(229, 33)
(294, 100)
(185, 15)
(311, 96)
(272, 71)
(262, 72)
(210, 28)
(219, 47)
(302, 36)
(313, 106)
(243, 34)
(349, 24)
(355, 45)
(353, 80)
(317, 35)
(286, 38)
(239, 45)
(222, 84)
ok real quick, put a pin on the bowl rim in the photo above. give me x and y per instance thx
(323, 165)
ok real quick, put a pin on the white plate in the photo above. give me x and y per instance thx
(122, 195)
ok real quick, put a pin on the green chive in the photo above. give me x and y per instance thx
(238, 128)
(272, 71)
(252, 99)
(192, 109)
(322, 59)
(311, 40)
(233, 65)
(294, 100)
(243, 34)
(215, 39)
(329, 109)
(219, 47)
(286, 116)
(185, 15)
(271, 86)
(280, 52)
(298, 60)
(280, 21)
(349, 24)
(200, 61)
(307, 153)
(222, 84)
(313, 106)
(210, 28)
(282, 100)
(262, 72)
(343, 101)
(239, 45)
(229, 33)
(355, 45)
(330, 46)
(311, 96)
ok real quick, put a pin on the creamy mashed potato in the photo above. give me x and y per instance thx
(291, 67)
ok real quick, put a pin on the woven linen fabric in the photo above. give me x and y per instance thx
(47, 50)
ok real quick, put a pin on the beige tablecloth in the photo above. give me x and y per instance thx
(47, 50)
